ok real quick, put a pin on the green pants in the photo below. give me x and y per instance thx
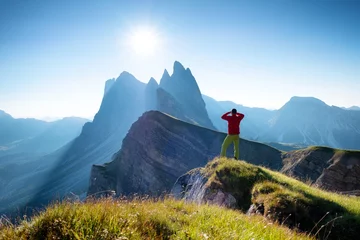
(227, 141)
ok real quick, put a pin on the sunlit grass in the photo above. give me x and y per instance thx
(146, 219)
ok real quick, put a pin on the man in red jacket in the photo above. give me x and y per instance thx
(233, 132)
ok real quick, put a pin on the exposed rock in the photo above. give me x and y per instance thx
(306, 164)
(190, 186)
(343, 174)
(328, 168)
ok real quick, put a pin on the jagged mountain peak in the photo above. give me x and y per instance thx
(165, 74)
(165, 78)
(152, 82)
(125, 75)
(178, 67)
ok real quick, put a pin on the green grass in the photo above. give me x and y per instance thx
(285, 199)
(146, 219)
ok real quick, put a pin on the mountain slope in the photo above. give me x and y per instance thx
(183, 87)
(98, 141)
(153, 157)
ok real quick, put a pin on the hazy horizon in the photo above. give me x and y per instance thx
(56, 56)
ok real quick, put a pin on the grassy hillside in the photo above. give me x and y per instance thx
(286, 200)
(283, 201)
(145, 219)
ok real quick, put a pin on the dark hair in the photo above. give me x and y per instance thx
(234, 111)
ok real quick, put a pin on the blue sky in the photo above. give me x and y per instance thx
(56, 55)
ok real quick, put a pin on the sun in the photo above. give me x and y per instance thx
(144, 41)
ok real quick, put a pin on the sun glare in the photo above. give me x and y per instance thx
(144, 41)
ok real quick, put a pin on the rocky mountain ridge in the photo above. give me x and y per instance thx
(153, 157)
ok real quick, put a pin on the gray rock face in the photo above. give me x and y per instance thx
(306, 164)
(328, 168)
(192, 187)
(159, 148)
(343, 174)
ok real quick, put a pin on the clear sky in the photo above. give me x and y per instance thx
(56, 55)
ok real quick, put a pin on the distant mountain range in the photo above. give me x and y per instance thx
(26, 135)
(303, 121)
(66, 170)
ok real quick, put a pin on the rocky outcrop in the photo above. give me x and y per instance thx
(335, 170)
(192, 188)
(343, 174)
(159, 148)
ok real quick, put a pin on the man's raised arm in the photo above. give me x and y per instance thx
(240, 115)
(225, 116)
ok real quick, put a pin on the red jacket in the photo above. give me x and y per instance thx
(233, 122)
